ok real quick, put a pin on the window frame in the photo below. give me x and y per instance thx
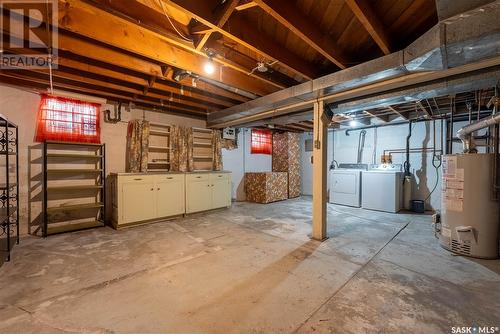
(68, 120)
(261, 142)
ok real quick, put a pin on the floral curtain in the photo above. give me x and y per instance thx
(182, 149)
(217, 150)
(137, 146)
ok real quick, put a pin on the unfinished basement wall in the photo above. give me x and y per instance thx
(21, 107)
(377, 140)
(240, 160)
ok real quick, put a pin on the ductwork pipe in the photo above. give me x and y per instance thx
(465, 133)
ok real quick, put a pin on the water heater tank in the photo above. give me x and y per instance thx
(470, 217)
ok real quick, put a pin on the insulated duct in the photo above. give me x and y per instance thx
(449, 48)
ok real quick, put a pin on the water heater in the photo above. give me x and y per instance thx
(470, 216)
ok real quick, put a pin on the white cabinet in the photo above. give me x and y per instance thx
(198, 193)
(221, 190)
(207, 191)
(170, 195)
(142, 198)
(139, 198)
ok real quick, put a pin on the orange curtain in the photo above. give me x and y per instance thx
(65, 119)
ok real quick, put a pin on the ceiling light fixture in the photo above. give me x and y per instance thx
(209, 67)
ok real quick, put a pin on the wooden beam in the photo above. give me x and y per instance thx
(404, 115)
(91, 52)
(424, 109)
(367, 17)
(135, 81)
(42, 84)
(80, 18)
(221, 18)
(383, 118)
(98, 85)
(247, 5)
(319, 221)
(291, 17)
(237, 29)
(143, 14)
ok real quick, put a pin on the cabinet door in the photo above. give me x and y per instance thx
(221, 190)
(138, 200)
(198, 193)
(170, 197)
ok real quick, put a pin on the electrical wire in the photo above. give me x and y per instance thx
(49, 49)
(172, 24)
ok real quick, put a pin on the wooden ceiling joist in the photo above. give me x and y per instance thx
(220, 19)
(81, 18)
(246, 5)
(238, 30)
(106, 58)
(74, 80)
(291, 17)
(383, 118)
(364, 13)
(403, 114)
(42, 84)
(151, 17)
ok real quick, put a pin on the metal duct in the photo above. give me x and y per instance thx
(465, 133)
(461, 40)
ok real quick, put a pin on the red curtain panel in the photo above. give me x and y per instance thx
(261, 142)
(70, 120)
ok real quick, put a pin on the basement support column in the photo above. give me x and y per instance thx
(319, 172)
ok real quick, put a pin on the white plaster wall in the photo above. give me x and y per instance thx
(240, 161)
(389, 137)
(307, 165)
(21, 107)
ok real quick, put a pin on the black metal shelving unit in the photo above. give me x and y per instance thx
(61, 181)
(9, 186)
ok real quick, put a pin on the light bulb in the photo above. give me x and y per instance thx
(353, 123)
(209, 67)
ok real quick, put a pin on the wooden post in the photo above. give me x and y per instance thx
(319, 172)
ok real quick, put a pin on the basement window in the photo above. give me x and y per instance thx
(69, 120)
(262, 142)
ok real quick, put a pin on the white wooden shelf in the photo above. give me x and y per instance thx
(75, 156)
(55, 229)
(159, 148)
(75, 207)
(202, 144)
(159, 133)
(74, 171)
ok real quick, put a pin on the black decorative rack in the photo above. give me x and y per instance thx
(9, 187)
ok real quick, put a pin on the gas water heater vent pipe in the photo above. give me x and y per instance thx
(465, 133)
(361, 146)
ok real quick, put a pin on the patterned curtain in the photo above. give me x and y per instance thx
(137, 146)
(182, 149)
(217, 150)
(189, 149)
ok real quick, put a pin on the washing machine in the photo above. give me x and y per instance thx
(345, 184)
(382, 188)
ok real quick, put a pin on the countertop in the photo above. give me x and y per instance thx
(163, 173)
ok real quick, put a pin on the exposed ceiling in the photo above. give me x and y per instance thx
(138, 51)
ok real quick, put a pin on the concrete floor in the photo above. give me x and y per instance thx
(250, 269)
